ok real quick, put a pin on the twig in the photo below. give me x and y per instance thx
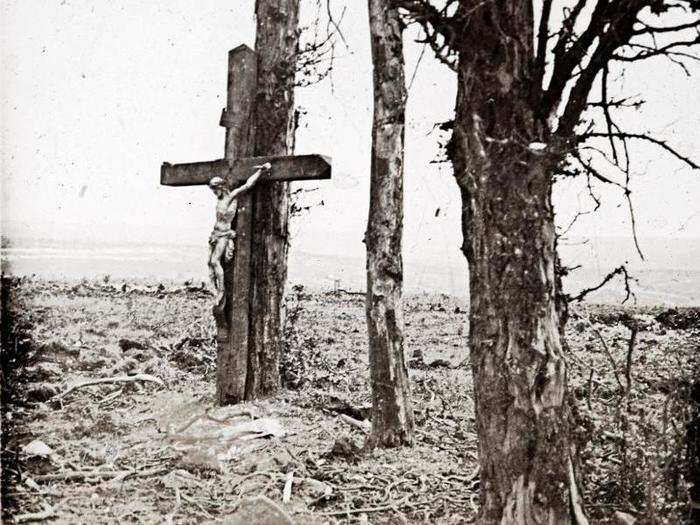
(387, 489)
(415, 70)
(619, 270)
(628, 364)
(610, 357)
(606, 110)
(81, 474)
(191, 501)
(105, 474)
(348, 292)
(242, 412)
(575, 498)
(287, 491)
(362, 425)
(435, 25)
(640, 136)
(45, 514)
(402, 503)
(590, 387)
(111, 397)
(335, 24)
(117, 379)
(245, 478)
(291, 454)
(542, 38)
(178, 503)
(191, 421)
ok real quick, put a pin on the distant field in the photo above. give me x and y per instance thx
(676, 285)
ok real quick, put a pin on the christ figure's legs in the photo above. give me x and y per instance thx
(216, 271)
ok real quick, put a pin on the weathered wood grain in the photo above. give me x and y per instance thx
(232, 339)
(284, 168)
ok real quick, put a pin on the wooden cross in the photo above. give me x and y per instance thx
(233, 327)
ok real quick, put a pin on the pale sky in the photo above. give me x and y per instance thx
(97, 94)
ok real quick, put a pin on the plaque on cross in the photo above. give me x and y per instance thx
(233, 325)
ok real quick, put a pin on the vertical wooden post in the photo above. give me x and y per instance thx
(233, 328)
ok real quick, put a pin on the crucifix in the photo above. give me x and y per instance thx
(233, 321)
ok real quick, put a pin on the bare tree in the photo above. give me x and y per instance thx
(392, 411)
(524, 115)
(276, 45)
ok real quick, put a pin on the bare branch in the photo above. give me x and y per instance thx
(651, 51)
(612, 27)
(542, 38)
(606, 110)
(415, 70)
(438, 27)
(619, 31)
(566, 59)
(621, 103)
(581, 213)
(633, 220)
(620, 270)
(604, 156)
(594, 172)
(442, 51)
(609, 354)
(316, 56)
(670, 29)
(567, 31)
(628, 197)
(336, 25)
(641, 136)
(424, 13)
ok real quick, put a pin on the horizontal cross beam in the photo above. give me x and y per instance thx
(285, 168)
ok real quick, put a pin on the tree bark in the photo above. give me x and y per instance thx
(516, 352)
(692, 441)
(392, 411)
(276, 46)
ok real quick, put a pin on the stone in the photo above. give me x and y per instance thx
(37, 448)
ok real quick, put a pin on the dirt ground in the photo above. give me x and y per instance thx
(153, 448)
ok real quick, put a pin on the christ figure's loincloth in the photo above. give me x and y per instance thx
(221, 240)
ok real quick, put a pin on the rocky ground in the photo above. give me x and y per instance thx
(108, 412)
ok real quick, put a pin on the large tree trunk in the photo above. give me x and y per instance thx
(392, 412)
(276, 46)
(515, 343)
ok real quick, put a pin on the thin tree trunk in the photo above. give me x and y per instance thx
(515, 343)
(392, 412)
(276, 46)
(692, 441)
